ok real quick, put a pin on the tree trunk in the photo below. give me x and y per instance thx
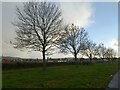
(90, 58)
(44, 61)
(75, 55)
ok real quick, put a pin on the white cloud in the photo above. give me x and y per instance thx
(77, 13)
(8, 50)
(113, 44)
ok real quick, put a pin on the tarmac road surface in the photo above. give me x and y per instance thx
(115, 82)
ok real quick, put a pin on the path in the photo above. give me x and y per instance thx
(115, 82)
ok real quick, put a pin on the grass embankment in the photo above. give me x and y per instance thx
(84, 76)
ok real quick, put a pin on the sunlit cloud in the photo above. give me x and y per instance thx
(78, 13)
(113, 44)
(8, 50)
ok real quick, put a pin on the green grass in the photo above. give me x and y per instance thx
(69, 76)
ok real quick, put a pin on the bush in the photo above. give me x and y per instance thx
(16, 65)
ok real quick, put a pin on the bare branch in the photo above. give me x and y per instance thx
(74, 40)
(38, 26)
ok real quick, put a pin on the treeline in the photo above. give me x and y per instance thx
(40, 27)
(55, 62)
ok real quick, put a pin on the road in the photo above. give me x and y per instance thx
(115, 82)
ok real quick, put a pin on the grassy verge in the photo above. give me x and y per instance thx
(84, 76)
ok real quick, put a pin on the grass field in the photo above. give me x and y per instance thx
(84, 76)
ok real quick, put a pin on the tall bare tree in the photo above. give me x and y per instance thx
(91, 50)
(74, 39)
(110, 53)
(101, 50)
(104, 52)
(38, 27)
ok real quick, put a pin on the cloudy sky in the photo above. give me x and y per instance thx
(100, 19)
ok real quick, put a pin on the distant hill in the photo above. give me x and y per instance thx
(9, 58)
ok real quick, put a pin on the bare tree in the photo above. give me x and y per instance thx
(110, 53)
(101, 50)
(74, 39)
(91, 50)
(38, 27)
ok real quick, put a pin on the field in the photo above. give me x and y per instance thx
(67, 76)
